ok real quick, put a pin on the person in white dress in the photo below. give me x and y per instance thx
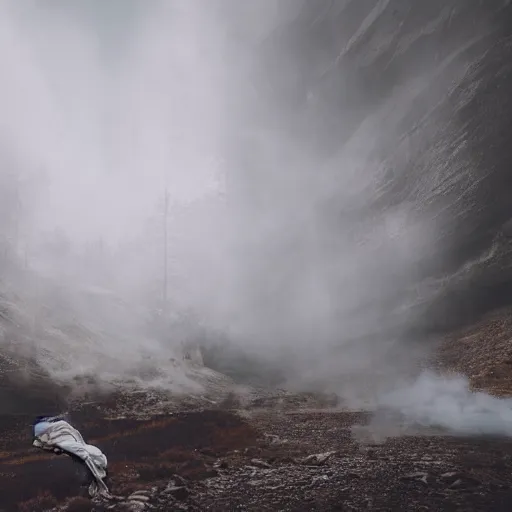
(56, 435)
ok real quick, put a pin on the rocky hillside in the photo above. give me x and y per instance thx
(420, 92)
(483, 352)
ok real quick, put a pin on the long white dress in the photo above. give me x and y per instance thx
(60, 435)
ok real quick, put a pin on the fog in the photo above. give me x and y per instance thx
(104, 108)
(273, 242)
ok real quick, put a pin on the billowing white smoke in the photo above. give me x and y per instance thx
(269, 241)
(442, 402)
(107, 105)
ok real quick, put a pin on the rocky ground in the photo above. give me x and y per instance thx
(277, 452)
(250, 449)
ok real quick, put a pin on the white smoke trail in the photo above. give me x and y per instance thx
(444, 403)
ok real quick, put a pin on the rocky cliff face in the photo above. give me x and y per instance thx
(421, 90)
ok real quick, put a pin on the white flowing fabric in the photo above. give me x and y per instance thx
(60, 435)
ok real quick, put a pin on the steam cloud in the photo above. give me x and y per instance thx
(448, 403)
(273, 241)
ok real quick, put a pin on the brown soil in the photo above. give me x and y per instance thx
(139, 452)
(256, 460)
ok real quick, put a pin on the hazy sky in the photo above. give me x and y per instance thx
(113, 101)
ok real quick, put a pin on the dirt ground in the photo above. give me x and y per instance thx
(267, 455)
(261, 450)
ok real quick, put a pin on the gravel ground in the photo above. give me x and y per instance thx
(275, 453)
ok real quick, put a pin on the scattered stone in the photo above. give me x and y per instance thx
(275, 440)
(320, 478)
(260, 463)
(179, 481)
(420, 476)
(220, 464)
(132, 506)
(178, 492)
(450, 475)
(317, 459)
(464, 483)
(456, 484)
(138, 497)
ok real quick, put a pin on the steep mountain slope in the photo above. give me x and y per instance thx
(415, 98)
